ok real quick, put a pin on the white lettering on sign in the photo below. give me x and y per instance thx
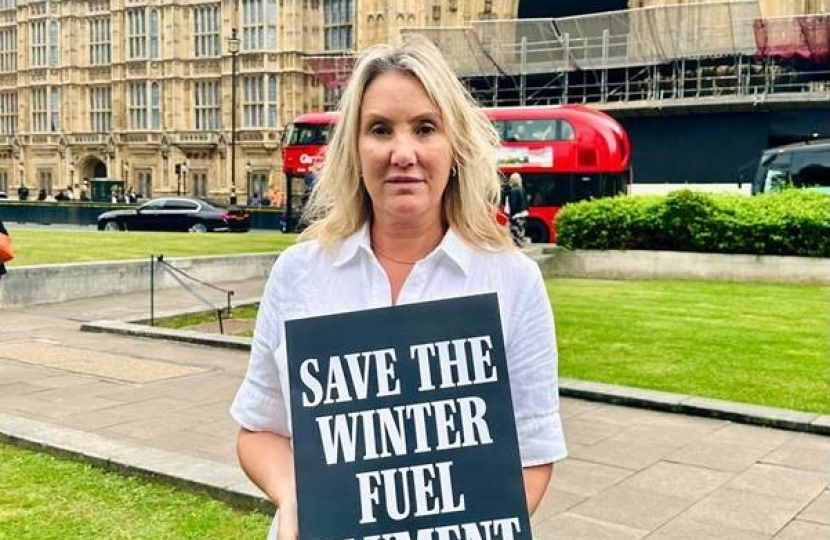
(454, 360)
(348, 377)
(380, 433)
(397, 486)
(497, 529)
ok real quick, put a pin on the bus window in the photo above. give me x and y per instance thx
(558, 189)
(535, 130)
(811, 168)
(566, 131)
(307, 134)
(287, 135)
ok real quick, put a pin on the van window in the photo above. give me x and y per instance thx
(773, 173)
(811, 168)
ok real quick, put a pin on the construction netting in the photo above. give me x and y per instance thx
(645, 36)
(332, 70)
(806, 37)
(633, 37)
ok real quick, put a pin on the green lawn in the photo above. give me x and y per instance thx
(752, 343)
(48, 246)
(184, 321)
(46, 498)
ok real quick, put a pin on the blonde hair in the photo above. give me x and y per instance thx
(515, 179)
(340, 205)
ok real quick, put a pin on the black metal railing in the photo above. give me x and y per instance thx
(180, 276)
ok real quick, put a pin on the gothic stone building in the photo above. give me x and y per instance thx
(141, 90)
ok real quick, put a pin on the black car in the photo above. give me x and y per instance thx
(175, 214)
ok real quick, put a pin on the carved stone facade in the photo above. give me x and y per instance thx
(129, 89)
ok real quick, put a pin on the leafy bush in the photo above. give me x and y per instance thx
(791, 222)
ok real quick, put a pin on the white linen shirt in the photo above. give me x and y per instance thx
(307, 281)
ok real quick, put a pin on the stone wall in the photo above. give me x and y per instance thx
(46, 284)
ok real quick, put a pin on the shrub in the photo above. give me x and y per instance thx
(792, 222)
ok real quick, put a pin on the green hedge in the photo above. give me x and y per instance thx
(792, 222)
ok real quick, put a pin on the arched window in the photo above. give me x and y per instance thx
(54, 44)
(272, 101)
(154, 33)
(155, 106)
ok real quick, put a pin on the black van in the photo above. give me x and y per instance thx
(802, 165)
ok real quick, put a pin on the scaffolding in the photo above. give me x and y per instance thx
(678, 51)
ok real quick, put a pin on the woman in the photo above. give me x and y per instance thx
(517, 209)
(402, 211)
(6, 252)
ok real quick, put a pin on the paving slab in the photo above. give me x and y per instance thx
(688, 529)
(740, 509)
(633, 508)
(802, 530)
(818, 511)
(568, 526)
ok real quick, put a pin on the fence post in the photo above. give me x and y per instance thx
(523, 75)
(152, 289)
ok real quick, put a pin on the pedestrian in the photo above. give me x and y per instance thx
(6, 251)
(23, 193)
(41, 194)
(403, 212)
(516, 207)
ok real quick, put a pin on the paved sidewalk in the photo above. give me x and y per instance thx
(632, 473)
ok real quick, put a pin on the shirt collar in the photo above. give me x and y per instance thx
(451, 245)
(457, 251)
(350, 247)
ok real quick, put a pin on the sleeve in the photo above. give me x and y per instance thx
(260, 404)
(533, 362)
(3, 229)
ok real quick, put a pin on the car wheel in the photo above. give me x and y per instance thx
(111, 226)
(199, 228)
(537, 232)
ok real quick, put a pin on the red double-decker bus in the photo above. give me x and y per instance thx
(564, 154)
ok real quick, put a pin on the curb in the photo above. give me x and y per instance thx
(217, 480)
(741, 413)
(591, 391)
(138, 328)
(155, 332)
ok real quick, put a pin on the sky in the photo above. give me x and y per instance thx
(563, 8)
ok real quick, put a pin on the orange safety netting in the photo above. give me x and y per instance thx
(805, 37)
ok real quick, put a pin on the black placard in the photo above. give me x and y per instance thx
(428, 383)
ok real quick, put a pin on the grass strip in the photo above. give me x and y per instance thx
(51, 246)
(763, 344)
(43, 497)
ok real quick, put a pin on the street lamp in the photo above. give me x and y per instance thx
(233, 48)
